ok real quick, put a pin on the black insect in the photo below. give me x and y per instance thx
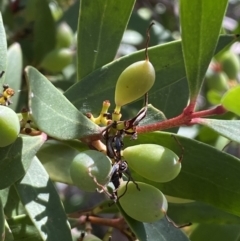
(120, 167)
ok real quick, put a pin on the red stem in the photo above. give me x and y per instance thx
(183, 119)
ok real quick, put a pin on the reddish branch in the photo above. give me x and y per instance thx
(186, 118)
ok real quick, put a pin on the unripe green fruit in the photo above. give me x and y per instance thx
(136, 80)
(91, 237)
(217, 81)
(56, 10)
(64, 35)
(57, 60)
(100, 168)
(56, 158)
(146, 205)
(9, 126)
(153, 162)
(230, 64)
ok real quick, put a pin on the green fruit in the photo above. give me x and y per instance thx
(136, 80)
(56, 10)
(217, 81)
(64, 35)
(91, 237)
(100, 168)
(9, 126)
(146, 205)
(56, 158)
(230, 64)
(153, 162)
(214, 97)
(57, 60)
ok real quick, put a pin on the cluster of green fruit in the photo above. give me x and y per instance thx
(62, 55)
(9, 126)
(155, 163)
(222, 75)
(91, 169)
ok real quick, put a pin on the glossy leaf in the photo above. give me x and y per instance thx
(228, 128)
(198, 212)
(3, 50)
(42, 204)
(216, 232)
(163, 230)
(102, 39)
(157, 231)
(231, 100)
(52, 112)
(167, 59)
(201, 23)
(14, 72)
(2, 222)
(207, 175)
(16, 158)
(44, 30)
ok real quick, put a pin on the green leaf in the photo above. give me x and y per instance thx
(22, 228)
(207, 175)
(14, 72)
(42, 204)
(198, 212)
(8, 233)
(70, 16)
(100, 30)
(44, 30)
(201, 22)
(136, 226)
(217, 232)
(3, 50)
(52, 112)
(88, 94)
(92, 90)
(231, 100)
(228, 128)
(16, 158)
(161, 230)
(11, 202)
(2, 222)
(153, 115)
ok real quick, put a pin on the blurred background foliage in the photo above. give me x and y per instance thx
(42, 33)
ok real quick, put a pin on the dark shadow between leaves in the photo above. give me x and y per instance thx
(43, 206)
(11, 164)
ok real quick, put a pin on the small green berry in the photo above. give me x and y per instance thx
(9, 126)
